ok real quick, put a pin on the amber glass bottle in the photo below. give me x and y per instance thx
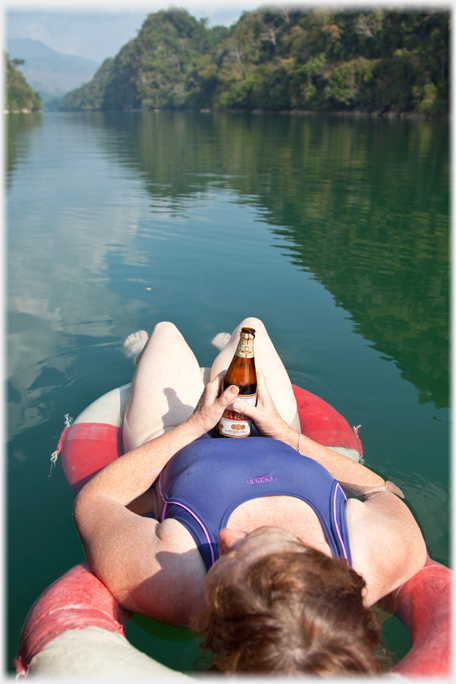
(241, 372)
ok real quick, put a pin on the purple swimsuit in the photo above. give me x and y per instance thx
(204, 482)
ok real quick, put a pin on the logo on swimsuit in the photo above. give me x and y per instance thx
(261, 478)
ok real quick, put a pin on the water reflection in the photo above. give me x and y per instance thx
(65, 220)
(122, 219)
(361, 204)
(18, 132)
(430, 501)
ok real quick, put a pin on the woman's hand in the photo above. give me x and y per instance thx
(210, 406)
(265, 415)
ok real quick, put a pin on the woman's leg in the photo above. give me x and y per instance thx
(165, 388)
(269, 361)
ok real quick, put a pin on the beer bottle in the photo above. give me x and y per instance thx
(241, 372)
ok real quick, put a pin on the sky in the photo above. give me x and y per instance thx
(97, 29)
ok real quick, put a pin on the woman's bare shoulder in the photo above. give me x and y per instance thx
(150, 568)
(386, 544)
(172, 584)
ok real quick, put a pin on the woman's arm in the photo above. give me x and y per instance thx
(149, 567)
(270, 424)
(386, 543)
(128, 477)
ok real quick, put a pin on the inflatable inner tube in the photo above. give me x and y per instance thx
(77, 615)
(95, 437)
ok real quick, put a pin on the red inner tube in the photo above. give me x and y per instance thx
(89, 447)
(78, 599)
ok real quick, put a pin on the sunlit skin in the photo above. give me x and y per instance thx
(261, 541)
(155, 568)
(238, 550)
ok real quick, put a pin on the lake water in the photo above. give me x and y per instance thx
(334, 231)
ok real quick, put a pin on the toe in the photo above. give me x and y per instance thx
(221, 340)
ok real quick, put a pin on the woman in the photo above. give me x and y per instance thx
(299, 564)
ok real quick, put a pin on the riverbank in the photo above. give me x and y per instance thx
(352, 113)
(378, 114)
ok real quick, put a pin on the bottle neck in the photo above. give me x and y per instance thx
(245, 348)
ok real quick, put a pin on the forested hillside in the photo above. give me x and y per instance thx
(19, 95)
(282, 59)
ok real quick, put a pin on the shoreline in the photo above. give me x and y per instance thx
(377, 114)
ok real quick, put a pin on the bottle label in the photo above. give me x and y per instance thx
(234, 424)
(245, 346)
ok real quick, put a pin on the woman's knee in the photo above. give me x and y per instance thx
(164, 334)
(166, 330)
(164, 327)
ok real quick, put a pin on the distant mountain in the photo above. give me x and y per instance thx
(48, 71)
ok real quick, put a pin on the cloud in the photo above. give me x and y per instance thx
(36, 31)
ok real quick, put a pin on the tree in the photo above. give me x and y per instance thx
(19, 94)
(319, 59)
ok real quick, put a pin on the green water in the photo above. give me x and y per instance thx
(334, 231)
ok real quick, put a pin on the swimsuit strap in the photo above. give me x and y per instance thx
(207, 480)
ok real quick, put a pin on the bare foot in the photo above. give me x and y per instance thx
(134, 345)
(221, 340)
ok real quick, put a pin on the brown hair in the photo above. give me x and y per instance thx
(290, 613)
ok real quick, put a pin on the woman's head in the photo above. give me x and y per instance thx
(281, 607)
